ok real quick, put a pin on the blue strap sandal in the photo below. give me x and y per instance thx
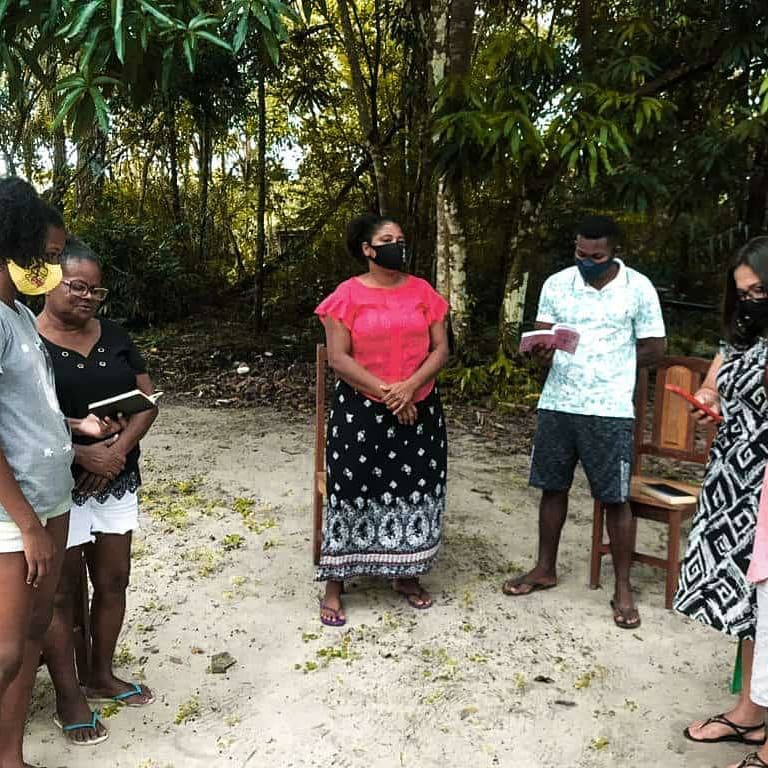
(92, 725)
(125, 697)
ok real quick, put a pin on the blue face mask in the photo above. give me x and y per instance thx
(592, 271)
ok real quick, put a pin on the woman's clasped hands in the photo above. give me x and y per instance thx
(398, 397)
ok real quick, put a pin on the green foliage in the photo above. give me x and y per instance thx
(149, 272)
(507, 383)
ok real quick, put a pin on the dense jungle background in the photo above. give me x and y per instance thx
(212, 153)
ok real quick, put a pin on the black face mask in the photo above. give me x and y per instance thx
(752, 317)
(390, 255)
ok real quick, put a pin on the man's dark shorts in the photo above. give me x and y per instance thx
(603, 444)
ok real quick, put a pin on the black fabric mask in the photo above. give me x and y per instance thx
(390, 255)
(752, 317)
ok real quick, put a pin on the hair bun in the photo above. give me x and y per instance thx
(361, 230)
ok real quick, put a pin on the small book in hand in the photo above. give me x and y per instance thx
(668, 493)
(128, 404)
(561, 337)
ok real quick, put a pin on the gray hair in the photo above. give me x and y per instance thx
(77, 250)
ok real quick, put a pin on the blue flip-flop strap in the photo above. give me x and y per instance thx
(80, 726)
(128, 694)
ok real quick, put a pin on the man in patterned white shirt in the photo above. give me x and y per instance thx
(586, 411)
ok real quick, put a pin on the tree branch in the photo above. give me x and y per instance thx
(678, 75)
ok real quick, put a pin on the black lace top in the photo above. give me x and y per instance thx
(109, 369)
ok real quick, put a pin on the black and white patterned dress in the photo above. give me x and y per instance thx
(713, 585)
(385, 489)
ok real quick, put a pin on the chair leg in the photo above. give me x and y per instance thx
(596, 557)
(673, 558)
(317, 523)
(82, 625)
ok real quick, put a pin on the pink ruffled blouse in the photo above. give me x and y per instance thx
(389, 326)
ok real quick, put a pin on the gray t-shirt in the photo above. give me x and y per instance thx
(34, 435)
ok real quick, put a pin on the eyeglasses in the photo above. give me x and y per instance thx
(756, 293)
(81, 289)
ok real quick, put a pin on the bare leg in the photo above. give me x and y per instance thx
(621, 532)
(553, 509)
(745, 712)
(15, 702)
(58, 651)
(109, 566)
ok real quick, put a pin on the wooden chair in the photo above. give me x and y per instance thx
(318, 483)
(672, 436)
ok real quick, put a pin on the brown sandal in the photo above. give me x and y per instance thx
(739, 735)
(535, 586)
(623, 618)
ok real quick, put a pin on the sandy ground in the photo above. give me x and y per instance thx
(222, 564)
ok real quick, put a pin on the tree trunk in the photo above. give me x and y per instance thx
(91, 162)
(261, 198)
(204, 180)
(442, 257)
(28, 154)
(585, 33)
(145, 176)
(365, 99)
(452, 54)
(456, 246)
(173, 162)
(10, 163)
(60, 175)
(516, 279)
(460, 31)
(417, 171)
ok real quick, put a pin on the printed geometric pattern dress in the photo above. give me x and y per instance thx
(713, 586)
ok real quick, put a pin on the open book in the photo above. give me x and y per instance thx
(667, 493)
(561, 337)
(128, 404)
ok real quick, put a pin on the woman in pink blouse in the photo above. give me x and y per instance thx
(386, 449)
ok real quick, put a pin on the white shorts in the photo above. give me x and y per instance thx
(10, 535)
(117, 516)
(759, 688)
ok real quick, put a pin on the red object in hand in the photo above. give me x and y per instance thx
(697, 404)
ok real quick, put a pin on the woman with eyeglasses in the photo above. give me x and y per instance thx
(714, 588)
(93, 359)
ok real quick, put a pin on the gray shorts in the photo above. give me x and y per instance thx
(603, 445)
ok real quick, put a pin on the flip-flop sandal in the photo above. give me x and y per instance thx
(67, 729)
(124, 697)
(335, 620)
(739, 735)
(752, 760)
(620, 618)
(420, 600)
(535, 586)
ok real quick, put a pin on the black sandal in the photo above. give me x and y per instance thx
(739, 735)
(752, 760)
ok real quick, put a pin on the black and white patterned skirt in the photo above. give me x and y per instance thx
(385, 489)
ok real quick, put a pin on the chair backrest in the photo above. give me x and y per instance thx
(673, 431)
(321, 366)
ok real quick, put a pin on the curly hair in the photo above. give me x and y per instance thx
(362, 230)
(23, 223)
(53, 217)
